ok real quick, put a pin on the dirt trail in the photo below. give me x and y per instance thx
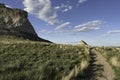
(101, 67)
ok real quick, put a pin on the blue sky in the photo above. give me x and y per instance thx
(68, 21)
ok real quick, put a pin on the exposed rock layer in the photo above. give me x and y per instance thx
(14, 22)
(83, 43)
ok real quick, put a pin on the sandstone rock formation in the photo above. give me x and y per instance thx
(83, 43)
(14, 22)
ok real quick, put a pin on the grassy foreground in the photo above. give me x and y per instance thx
(28, 60)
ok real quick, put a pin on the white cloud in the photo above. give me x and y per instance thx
(57, 7)
(114, 31)
(42, 9)
(63, 7)
(81, 1)
(92, 25)
(88, 26)
(67, 8)
(62, 25)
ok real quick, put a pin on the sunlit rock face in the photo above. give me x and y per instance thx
(15, 22)
(83, 43)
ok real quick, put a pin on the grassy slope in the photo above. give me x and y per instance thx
(27, 60)
(112, 55)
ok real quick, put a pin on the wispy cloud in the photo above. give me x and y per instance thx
(46, 31)
(85, 27)
(64, 7)
(62, 25)
(67, 8)
(88, 26)
(57, 7)
(113, 32)
(81, 1)
(42, 9)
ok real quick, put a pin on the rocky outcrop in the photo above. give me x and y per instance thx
(83, 43)
(14, 22)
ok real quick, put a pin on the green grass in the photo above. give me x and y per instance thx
(112, 55)
(28, 60)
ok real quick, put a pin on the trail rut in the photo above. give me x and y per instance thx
(100, 67)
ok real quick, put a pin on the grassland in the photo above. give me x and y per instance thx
(28, 60)
(22, 59)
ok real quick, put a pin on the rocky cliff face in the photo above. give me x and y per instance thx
(15, 22)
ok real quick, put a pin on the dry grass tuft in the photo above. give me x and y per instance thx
(77, 69)
(115, 61)
(84, 65)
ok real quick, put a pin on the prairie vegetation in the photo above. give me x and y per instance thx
(28, 60)
(22, 59)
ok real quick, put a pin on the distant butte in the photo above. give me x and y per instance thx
(83, 43)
